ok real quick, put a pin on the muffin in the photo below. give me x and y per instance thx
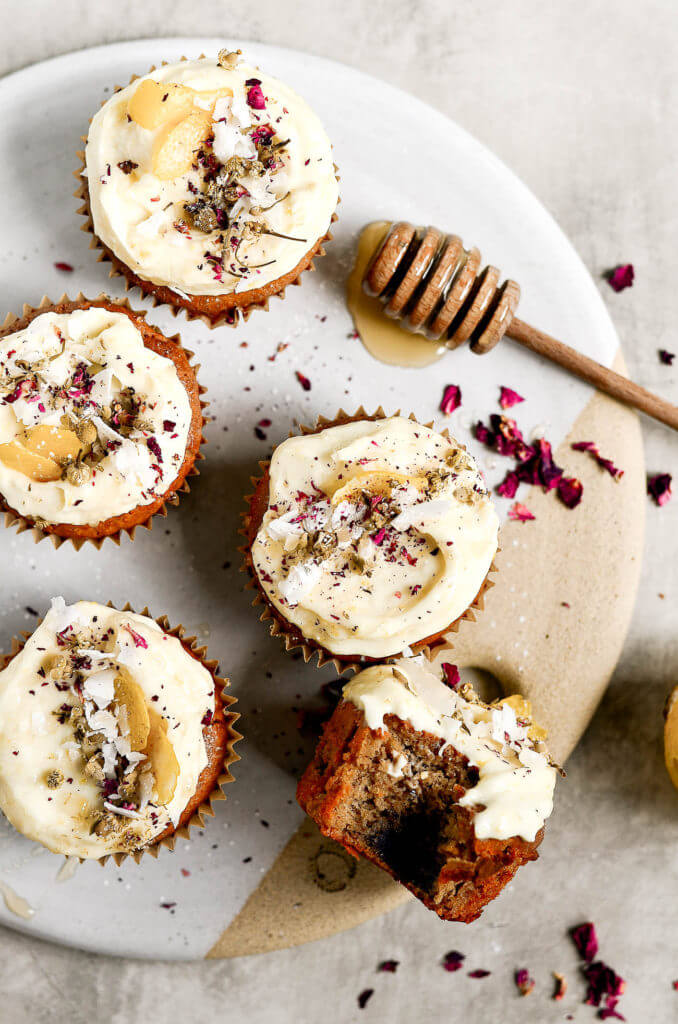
(113, 732)
(447, 794)
(369, 537)
(100, 420)
(209, 185)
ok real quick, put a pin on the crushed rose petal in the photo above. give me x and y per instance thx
(451, 672)
(508, 397)
(451, 399)
(479, 973)
(607, 464)
(560, 987)
(66, 268)
(520, 513)
(365, 997)
(585, 939)
(453, 960)
(621, 277)
(570, 491)
(304, 381)
(666, 357)
(524, 982)
(659, 487)
(255, 96)
(388, 966)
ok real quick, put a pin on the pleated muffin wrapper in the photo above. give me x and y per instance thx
(292, 637)
(177, 302)
(221, 683)
(13, 323)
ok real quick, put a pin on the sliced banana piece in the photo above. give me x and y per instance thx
(130, 696)
(176, 145)
(377, 482)
(162, 759)
(156, 103)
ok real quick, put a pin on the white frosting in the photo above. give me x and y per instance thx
(131, 474)
(514, 792)
(423, 572)
(134, 214)
(34, 743)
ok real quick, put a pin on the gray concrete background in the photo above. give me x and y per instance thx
(579, 99)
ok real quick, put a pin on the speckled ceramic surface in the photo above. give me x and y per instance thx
(187, 567)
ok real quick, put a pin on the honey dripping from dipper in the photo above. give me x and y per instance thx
(384, 338)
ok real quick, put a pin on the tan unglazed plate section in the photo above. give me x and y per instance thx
(552, 630)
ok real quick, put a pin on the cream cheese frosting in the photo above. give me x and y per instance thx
(92, 423)
(59, 701)
(377, 535)
(138, 203)
(514, 792)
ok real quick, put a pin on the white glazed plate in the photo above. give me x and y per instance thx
(397, 158)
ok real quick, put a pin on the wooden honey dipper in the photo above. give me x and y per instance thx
(429, 281)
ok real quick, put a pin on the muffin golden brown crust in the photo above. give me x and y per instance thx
(154, 340)
(216, 310)
(257, 503)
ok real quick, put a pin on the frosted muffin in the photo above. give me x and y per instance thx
(210, 185)
(112, 732)
(370, 537)
(100, 420)
(446, 793)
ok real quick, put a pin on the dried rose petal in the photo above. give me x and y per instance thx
(570, 491)
(508, 397)
(524, 982)
(451, 399)
(378, 537)
(66, 268)
(388, 966)
(621, 277)
(666, 357)
(585, 939)
(136, 637)
(520, 513)
(607, 464)
(452, 677)
(604, 986)
(453, 960)
(560, 987)
(364, 997)
(509, 485)
(304, 381)
(479, 973)
(659, 487)
(255, 97)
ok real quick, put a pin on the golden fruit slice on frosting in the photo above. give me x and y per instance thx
(175, 147)
(130, 696)
(671, 736)
(378, 482)
(161, 757)
(40, 452)
(155, 103)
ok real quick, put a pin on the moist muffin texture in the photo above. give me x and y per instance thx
(452, 831)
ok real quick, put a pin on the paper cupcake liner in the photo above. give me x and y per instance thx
(14, 322)
(206, 808)
(289, 634)
(176, 303)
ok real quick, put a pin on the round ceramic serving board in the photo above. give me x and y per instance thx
(260, 876)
